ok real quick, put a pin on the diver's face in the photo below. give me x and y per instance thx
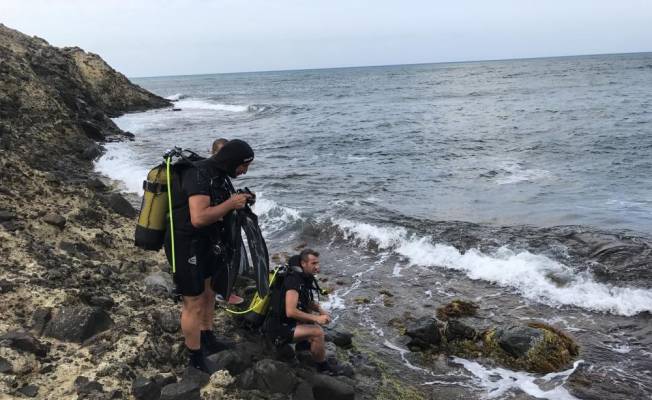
(242, 169)
(311, 266)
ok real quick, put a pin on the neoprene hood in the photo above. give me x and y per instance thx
(234, 153)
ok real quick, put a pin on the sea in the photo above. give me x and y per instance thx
(522, 185)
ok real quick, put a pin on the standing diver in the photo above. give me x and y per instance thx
(206, 197)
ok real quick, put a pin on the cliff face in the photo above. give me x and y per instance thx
(57, 102)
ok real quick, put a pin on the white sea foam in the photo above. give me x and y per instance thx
(119, 163)
(499, 381)
(530, 274)
(272, 215)
(513, 172)
(198, 104)
(176, 97)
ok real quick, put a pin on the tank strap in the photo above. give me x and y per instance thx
(155, 187)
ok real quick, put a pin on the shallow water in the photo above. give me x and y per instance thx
(522, 185)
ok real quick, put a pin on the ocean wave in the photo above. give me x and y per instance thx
(176, 97)
(513, 172)
(274, 217)
(535, 277)
(198, 104)
(118, 164)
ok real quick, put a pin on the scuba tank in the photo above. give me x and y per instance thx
(157, 199)
(150, 230)
(255, 315)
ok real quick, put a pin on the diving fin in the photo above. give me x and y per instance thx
(257, 250)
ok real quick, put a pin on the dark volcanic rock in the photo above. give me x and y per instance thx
(6, 286)
(168, 320)
(195, 376)
(456, 330)
(29, 390)
(25, 342)
(233, 361)
(159, 283)
(7, 215)
(104, 302)
(40, 318)
(92, 152)
(92, 130)
(55, 219)
(589, 382)
(303, 392)
(146, 389)
(5, 366)
(77, 323)
(340, 338)
(84, 386)
(326, 387)
(517, 340)
(119, 204)
(424, 333)
(184, 390)
(270, 376)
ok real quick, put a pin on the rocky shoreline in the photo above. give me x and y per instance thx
(85, 313)
(88, 315)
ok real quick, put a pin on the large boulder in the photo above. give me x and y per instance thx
(536, 347)
(269, 376)
(77, 323)
(424, 333)
(326, 387)
(159, 283)
(233, 361)
(339, 337)
(146, 388)
(119, 204)
(184, 390)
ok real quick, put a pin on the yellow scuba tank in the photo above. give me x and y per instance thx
(150, 231)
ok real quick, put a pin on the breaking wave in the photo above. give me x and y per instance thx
(535, 277)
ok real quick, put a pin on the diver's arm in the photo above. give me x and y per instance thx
(203, 214)
(291, 310)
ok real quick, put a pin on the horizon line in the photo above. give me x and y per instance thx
(389, 65)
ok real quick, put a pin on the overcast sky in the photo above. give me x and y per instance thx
(170, 37)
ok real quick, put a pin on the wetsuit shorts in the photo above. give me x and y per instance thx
(281, 333)
(195, 262)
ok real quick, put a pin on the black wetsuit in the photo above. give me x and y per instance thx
(278, 327)
(198, 251)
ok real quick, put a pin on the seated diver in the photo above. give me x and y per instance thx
(294, 315)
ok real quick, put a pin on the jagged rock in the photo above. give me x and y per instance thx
(424, 333)
(77, 323)
(184, 390)
(303, 392)
(5, 366)
(92, 130)
(196, 376)
(537, 347)
(6, 286)
(159, 283)
(40, 318)
(326, 387)
(104, 302)
(77, 248)
(340, 338)
(7, 215)
(231, 360)
(146, 389)
(25, 342)
(169, 320)
(270, 376)
(119, 204)
(55, 219)
(456, 330)
(96, 184)
(29, 390)
(92, 152)
(84, 386)
(518, 340)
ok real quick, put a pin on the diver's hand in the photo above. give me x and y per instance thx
(238, 201)
(323, 319)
